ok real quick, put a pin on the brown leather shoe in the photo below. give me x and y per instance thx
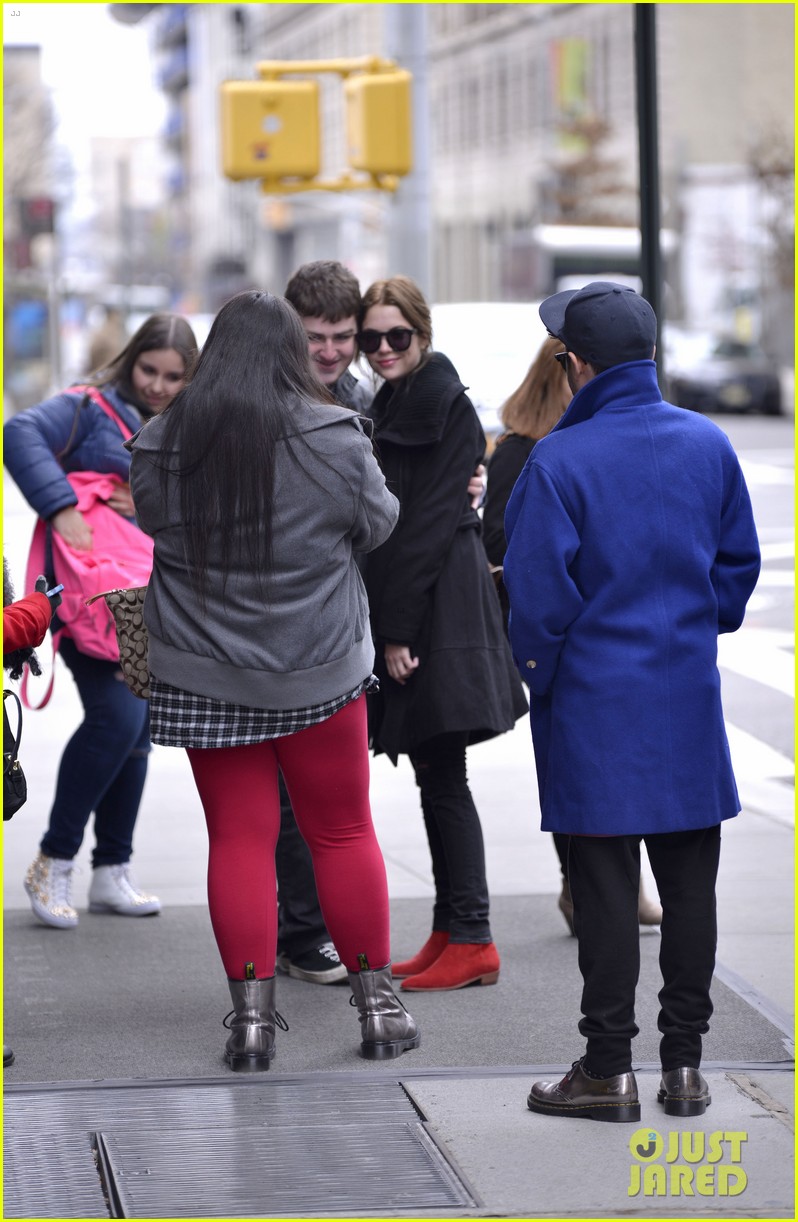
(613, 1099)
(684, 1092)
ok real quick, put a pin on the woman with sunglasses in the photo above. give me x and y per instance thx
(447, 677)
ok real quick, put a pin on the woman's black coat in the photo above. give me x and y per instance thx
(429, 586)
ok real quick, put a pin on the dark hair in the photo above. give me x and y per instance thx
(537, 404)
(404, 293)
(597, 369)
(157, 331)
(224, 425)
(324, 289)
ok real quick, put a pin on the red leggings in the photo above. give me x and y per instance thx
(326, 770)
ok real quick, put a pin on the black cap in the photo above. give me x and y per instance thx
(603, 323)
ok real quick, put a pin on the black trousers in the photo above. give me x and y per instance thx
(604, 874)
(300, 925)
(455, 839)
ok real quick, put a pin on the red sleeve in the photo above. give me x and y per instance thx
(26, 621)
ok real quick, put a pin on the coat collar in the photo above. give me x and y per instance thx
(631, 385)
(415, 411)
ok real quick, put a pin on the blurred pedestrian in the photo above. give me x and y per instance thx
(25, 623)
(631, 545)
(257, 492)
(106, 341)
(104, 764)
(529, 414)
(531, 411)
(446, 675)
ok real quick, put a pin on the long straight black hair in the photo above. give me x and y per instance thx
(224, 425)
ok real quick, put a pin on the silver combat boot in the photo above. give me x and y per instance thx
(250, 1047)
(386, 1028)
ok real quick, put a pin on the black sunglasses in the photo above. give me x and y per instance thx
(398, 339)
(562, 359)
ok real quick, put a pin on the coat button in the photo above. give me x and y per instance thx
(531, 664)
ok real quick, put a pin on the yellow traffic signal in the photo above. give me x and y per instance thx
(270, 129)
(378, 122)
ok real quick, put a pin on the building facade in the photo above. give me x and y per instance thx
(527, 150)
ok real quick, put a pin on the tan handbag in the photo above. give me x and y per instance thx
(127, 608)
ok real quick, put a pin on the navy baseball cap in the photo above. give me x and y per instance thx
(603, 323)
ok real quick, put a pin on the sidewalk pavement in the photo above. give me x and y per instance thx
(117, 1032)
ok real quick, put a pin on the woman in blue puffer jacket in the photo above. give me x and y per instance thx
(104, 764)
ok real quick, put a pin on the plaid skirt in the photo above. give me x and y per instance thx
(185, 719)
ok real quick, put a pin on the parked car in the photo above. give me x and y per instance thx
(715, 373)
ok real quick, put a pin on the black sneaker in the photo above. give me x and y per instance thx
(318, 966)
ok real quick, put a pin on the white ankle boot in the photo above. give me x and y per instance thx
(113, 889)
(48, 883)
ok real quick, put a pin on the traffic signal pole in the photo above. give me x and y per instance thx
(648, 138)
(409, 213)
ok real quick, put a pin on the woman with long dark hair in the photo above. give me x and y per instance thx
(257, 491)
(446, 673)
(104, 764)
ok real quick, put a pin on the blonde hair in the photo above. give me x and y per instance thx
(535, 407)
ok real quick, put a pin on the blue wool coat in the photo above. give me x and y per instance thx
(33, 439)
(631, 545)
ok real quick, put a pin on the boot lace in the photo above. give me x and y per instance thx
(353, 1002)
(61, 884)
(279, 1021)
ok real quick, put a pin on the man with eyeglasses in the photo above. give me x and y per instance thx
(631, 546)
(326, 296)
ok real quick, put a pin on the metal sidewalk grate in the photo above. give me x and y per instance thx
(49, 1174)
(230, 1149)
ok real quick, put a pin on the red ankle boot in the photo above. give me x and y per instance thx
(461, 963)
(434, 946)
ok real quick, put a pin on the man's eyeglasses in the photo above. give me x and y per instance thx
(340, 337)
(562, 360)
(398, 339)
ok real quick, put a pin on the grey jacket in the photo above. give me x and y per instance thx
(304, 637)
(353, 393)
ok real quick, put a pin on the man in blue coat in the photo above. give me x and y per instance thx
(631, 545)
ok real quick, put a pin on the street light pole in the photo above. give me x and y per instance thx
(648, 137)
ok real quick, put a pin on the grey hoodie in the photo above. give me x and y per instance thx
(304, 637)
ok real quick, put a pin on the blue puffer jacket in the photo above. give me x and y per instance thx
(33, 439)
(631, 545)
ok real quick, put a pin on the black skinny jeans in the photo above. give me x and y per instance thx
(455, 839)
(604, 873)
(300, 924)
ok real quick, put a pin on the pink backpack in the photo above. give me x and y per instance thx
(121, 556)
